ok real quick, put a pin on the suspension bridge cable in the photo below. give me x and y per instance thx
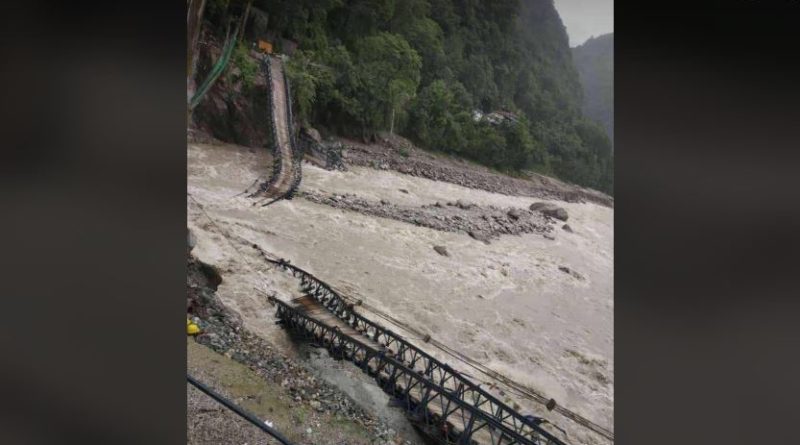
(216, 70)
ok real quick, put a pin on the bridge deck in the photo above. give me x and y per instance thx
(286, 170)
(310, 307)
(282, 126)
(432, 395)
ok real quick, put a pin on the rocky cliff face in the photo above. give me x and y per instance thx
(594, 61)
(231, 111)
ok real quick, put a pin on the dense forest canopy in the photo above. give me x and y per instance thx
(594, 61)
(430, 69)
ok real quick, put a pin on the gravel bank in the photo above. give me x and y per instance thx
(398, 154)
(481, 223)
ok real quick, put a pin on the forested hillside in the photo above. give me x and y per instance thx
(594, 61)
(433, 71)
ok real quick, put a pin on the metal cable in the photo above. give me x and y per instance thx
(215, 72)
(238, 410)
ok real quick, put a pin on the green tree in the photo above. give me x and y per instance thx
(337, 105)
(246, 67)
(390, 71)
(439, 115)
(421, 67)
(522, 150)
(486, 145)
(306, 77)
(425, 36)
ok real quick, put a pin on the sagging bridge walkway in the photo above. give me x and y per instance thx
(286, 152)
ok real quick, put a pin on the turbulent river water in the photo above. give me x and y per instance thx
(510, 304)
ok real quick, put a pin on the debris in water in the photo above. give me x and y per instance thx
(569, 271)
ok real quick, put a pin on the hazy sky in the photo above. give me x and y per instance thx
(586, 18)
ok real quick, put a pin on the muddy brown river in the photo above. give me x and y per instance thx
(509, 304)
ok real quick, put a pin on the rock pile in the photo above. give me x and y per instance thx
(405, 158)
(223, 332)
(550, 210)
(481, 223)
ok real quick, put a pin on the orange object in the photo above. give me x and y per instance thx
(265, 46)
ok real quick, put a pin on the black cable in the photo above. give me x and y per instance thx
(244, 414)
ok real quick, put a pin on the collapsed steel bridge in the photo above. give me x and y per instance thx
(439, 399)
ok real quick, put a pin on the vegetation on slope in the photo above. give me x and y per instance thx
(428, 69)
(594, 61)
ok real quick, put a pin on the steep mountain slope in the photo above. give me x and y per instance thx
(424, 69)
(594, 61)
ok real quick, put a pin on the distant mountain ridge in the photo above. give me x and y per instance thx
(594, 61)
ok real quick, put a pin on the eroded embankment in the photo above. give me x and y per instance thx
(396, 153)
(252, 372)
(481, 223)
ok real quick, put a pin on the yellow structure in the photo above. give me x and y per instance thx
(265, 46)
(191, 328)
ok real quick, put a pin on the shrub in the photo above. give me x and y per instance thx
(247, 66)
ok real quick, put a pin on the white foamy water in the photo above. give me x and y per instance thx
(507, 304)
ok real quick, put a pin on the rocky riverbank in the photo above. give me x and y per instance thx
(481, 223)
(398, 154)
(315, 403)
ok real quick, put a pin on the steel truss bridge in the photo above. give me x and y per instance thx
(440, 400)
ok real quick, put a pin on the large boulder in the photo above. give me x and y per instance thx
(313, 134)
(550, 210)
(191, 240)
(478, 236)
(514, 214)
